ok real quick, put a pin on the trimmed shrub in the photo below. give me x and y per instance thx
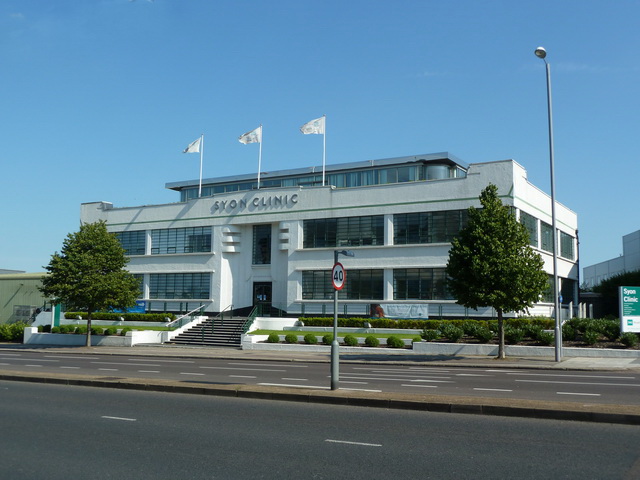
(124, 331)
(395, 342)
(451, 332)
(310, 339)
(350, 340)
(128, 317)
(546, 338)
(513, 335)
(371, 341)
(111, 330)
(569, 333)
(629, 339)
(469, 327)
(291, 338)
(532, 331)
(483, 335)
(97, 330)
(67, 328)
(430, 334)
(55, 330)
(81, 330)
(327, 339)
(273, 338)
(46, 329)
(417, 339)
(590, 337)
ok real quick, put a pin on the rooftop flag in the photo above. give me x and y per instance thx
(314, 126)
(254, 136)
(194, 147)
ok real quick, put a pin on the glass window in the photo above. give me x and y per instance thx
(546, 237)
(134, 243)
(428, 227)
(346, 231)
(420, 284)
(359, 285)
(262, 244)
(531, 223)
(566, 246)
(181, 240)
(180, 285)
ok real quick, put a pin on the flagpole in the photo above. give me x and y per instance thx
(324, 148)
(201, 154)
(260, 157)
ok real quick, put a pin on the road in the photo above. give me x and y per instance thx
(601, 387)
(61, 432)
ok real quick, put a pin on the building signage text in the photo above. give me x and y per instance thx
(263, 202)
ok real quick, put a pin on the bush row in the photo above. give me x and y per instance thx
(12, 332)
(348, 340)
(82, 330)
(128, 317)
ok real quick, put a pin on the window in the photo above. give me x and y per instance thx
(134, 243)
(531, 224)
(420, 284)
(566, 246)
(546, 234)
(340, 232)
(180, 285)
(360, 285)
(181, 240)
(428, 227)
(262, 244)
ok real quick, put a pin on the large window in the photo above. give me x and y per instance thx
(360, 285)
(180, 285)
(420, 284)
(262, 244)
(134, 243)
(181, 240)
(531, 224)
(346, 231)
(428, 227)
(566, 246)
(546, 234)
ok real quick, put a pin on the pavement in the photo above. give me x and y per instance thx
(621, 414)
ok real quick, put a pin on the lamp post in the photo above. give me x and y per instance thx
(542, 53)
(338, 283)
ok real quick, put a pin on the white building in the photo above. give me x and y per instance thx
(239, 245)
(629, 261)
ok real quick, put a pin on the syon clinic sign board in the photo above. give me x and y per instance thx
(629, 309)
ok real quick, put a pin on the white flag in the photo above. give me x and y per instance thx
(194, 147)
(314, 126)
(254, 136)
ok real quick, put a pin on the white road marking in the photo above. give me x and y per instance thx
(250, 369)
(266, 365)
(162, 361)
(421, 380)
(5, 364)
(359, 383)
(119, 418)
(493, 389)
(570, 375)
(128, 364)
(71, 367)
(354, 443)
(190, 373)
(472, 375)
(295, 379)
(242, 376)
(30, 359)
(64, 357)
(359, 389)
(108, 369)
(584, 394)
(419, 386)
(361, 377)
(33, 365)
(583, 383)
(148, 371)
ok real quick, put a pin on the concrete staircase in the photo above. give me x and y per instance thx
(216, 332)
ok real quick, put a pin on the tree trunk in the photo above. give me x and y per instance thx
(89, 328)
(501, 354)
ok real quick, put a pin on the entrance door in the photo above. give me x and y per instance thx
(262, 298)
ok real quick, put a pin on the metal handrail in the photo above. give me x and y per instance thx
(179, 319)
(250, 318)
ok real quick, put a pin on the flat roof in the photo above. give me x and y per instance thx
(441, 157)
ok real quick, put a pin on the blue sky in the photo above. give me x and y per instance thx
(100, 97)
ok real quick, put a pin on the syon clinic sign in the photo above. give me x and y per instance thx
(629, 309)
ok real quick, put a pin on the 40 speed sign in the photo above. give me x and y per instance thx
(338, 276)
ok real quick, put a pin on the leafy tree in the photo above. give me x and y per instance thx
(491, 263)
(89, 275)
(608, 290)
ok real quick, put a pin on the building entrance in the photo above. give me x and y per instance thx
(262, 298)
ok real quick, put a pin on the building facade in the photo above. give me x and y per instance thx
(240, 244)
(20, 298)
(629, 261)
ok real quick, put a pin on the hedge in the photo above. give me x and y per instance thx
(128, 317)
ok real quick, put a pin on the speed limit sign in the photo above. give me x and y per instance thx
(338, 276)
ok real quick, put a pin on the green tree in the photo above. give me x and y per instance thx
(608, 290)
(89, 275)
(491, 263)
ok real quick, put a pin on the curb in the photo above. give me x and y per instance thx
(619, 414)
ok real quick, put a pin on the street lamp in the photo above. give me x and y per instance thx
(542, 53)
(335, 346)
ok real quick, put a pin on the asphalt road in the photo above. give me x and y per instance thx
(61, 432)
(595, 387)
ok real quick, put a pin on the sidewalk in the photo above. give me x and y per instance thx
(623, 414)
